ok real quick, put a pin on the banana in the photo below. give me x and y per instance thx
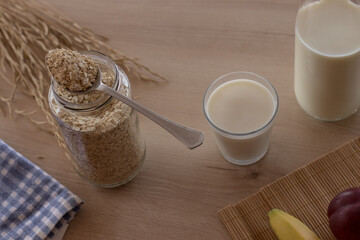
(287, 227)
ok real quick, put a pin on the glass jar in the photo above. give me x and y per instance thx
(101, 133)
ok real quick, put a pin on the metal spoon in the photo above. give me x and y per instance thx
(191, 138)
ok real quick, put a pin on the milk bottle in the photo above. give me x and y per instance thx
(327, 58)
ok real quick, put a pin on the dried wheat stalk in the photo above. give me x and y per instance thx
(27, 32)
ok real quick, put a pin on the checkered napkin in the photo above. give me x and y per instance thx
(33, 204)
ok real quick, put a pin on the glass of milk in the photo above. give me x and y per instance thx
(241, 108)
(327, 58)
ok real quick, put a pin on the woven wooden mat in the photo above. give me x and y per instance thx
(304, 193)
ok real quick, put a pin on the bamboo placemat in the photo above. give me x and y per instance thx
(304, 193)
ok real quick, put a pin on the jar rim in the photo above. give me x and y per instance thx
(122, 81)
(98, 57)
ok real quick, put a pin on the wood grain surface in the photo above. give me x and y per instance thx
(191, 43)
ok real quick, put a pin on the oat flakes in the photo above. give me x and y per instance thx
(71, 69)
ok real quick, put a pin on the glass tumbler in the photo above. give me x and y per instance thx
(235, 93)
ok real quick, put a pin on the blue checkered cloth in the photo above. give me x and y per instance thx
(33, 204)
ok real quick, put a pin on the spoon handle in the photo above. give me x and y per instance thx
(191, 138)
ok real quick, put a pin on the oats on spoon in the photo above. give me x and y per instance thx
(71, 69)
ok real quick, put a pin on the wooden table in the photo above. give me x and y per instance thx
(191, 43)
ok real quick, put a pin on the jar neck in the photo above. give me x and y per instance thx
(107, 66)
